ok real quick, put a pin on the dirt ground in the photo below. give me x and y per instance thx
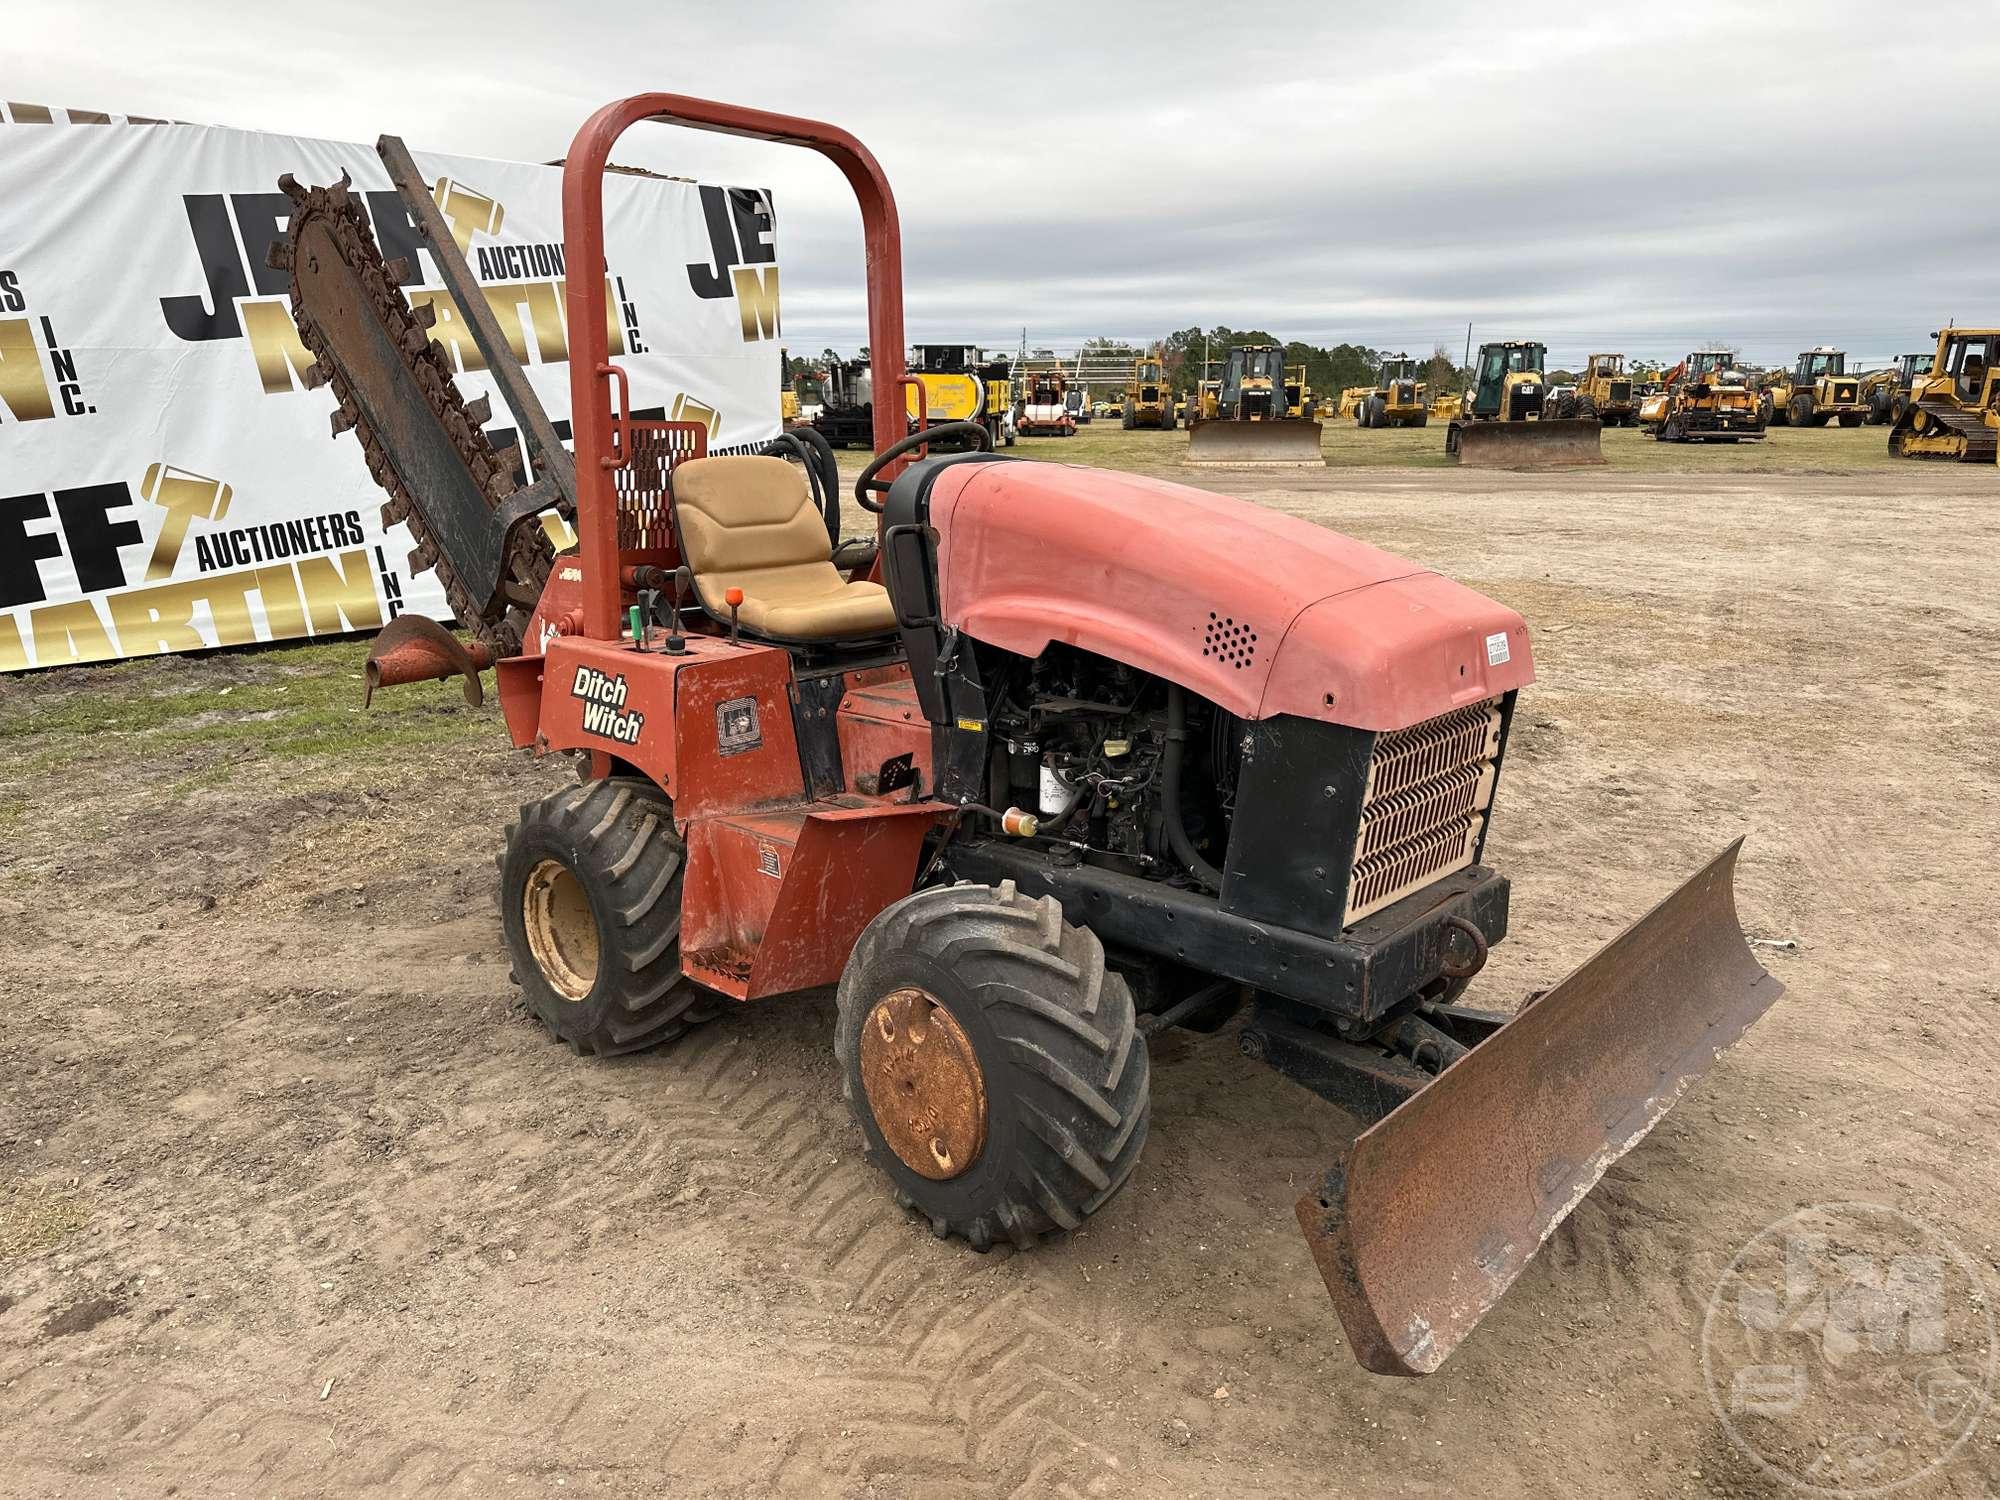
(294, 1201)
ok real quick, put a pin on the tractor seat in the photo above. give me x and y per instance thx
(749, 522)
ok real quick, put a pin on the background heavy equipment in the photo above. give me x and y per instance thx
(1298, 394)
(1149, 402)
(1706, 399)
(1815, 391)
(1055, 759)
(1045, 409)
(1501, 423)
(1886, 392)
(1953, 411)
(847, 409)
(1249, 424)
(1401, 400)
(1604, 391)
(961, 384)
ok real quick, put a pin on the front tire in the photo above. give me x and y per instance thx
(590, 904)
(992, 1062)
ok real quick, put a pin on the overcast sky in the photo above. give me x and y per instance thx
(1769, 175)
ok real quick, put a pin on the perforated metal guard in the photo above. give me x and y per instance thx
(1429, 789)
(644, 521)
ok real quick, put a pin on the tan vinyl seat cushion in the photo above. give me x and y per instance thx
(749, 522)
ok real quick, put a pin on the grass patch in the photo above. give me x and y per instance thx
(34, 1218)
(288, 702)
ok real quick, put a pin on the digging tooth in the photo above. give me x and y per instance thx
(279, 256)
(317, 374)
(398, 271)
(343, 419)
(425, 313)
(478, 412)
(336, 195)
(289, 186)
(413, 340)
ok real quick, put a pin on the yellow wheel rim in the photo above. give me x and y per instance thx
(924, 1084)
(562, 932)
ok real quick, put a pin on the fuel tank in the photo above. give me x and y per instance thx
(1258, 611)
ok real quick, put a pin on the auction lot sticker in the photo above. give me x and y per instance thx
(1849, 1349)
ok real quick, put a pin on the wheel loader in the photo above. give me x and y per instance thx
(1815, 391)
(1298, 394)
(1149, 402)
(1251, 425)
(1502, 422)
(1886, 392)
(1953, 412)
(1049, 760)
(1605, 392)
(1706, 399)
(1401, 400)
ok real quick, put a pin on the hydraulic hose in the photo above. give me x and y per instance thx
(815, 455)
(1170, 794)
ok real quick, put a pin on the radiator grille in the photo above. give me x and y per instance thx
(1621, 390)
(1429, 789)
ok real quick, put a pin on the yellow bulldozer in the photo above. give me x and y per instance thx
(1501, 421)
(1815, 391)
(1886, 392)
(1248, 423)
(1954, 409)
(1400, 400)
(1149, 402)
(1705, 399)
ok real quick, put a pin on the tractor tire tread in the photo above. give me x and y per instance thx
(616, 836)
(1070, 1063)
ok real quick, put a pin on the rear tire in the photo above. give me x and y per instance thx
(1034, 1026)
(1378, 412)
(1852, 418)
(590, 904)
(1585, 409)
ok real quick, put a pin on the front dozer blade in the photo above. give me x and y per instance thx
(1557, 443)
(1222, 443)
(1438, 1208)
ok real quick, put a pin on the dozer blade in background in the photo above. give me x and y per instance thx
(1220, 442)
(1558, 443)
(1438, 1207)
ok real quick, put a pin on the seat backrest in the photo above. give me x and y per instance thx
(746, 514)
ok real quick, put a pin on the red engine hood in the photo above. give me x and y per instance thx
(1258, 611)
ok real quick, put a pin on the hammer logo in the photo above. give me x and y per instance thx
(185, 497)
(468, 211)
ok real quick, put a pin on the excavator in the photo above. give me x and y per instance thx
(1047, 761)
(1953, 412)
(1250, 424)
(1502, 421)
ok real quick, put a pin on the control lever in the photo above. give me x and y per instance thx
(676, 643)
(734, 599)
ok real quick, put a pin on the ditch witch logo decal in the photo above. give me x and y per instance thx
(246, 299)
(740, 228)
(309, 575)
(604, 710)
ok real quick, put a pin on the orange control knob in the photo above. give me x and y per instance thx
(732, 597)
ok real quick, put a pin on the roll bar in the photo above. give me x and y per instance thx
(597, 437)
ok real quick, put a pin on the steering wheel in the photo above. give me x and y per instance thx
(868, 484)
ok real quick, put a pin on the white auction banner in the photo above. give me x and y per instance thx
(167, 481)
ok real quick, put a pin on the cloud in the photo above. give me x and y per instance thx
(1775, 176)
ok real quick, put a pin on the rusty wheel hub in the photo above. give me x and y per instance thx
(924, 1084)
(562, 932)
